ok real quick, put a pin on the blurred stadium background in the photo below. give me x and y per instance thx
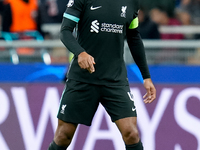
(32, 74)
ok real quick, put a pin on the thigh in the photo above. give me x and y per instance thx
(118, 102)
(79, 102)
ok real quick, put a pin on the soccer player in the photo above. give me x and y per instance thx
(97, 73)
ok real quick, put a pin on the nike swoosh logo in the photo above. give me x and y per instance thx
(94, 8)
(133, 109)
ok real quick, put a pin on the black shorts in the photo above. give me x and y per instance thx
(80, 101)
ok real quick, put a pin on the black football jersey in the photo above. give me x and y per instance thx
(102, 26)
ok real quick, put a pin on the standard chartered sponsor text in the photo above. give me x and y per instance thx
(114, 28)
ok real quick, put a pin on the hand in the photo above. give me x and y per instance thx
(150, 96)
(86, 61)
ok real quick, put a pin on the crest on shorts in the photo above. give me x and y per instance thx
(63, 109)
(70, 3)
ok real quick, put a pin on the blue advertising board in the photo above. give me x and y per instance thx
(38, 72)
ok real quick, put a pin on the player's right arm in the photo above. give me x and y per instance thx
(70, 19)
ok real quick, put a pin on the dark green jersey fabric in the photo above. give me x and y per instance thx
(102, 26)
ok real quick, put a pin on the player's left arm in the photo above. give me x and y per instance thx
(138, 52)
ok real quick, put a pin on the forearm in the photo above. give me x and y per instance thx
(137, 50)
(68, 39)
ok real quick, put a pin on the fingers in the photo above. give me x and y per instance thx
(150, 96)
(91, 63)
